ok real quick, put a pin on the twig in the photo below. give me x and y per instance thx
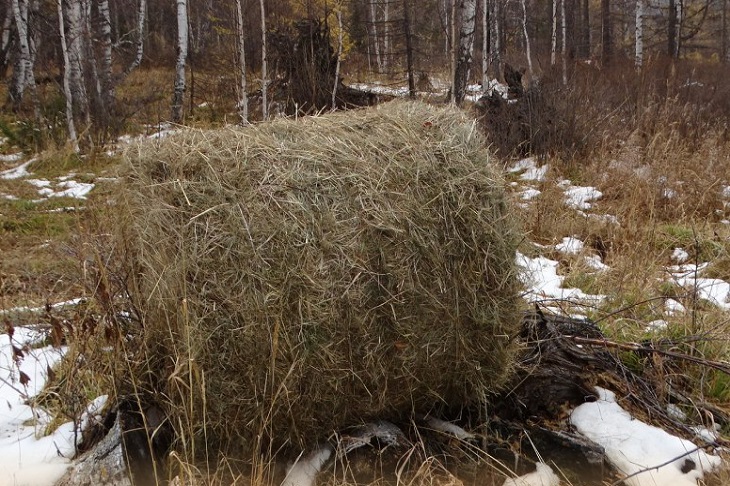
(645, 349)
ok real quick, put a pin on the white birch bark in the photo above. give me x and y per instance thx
(467, 14)
(678, 27)
(66, 80)
(5, 37)
(564, 47)
(105, 29)
(386, 35)
(182, 54)
(76, 54)
(527, 39)
(264, 73)
(141, 20)
(554, 34)
(23, 76)
(486, 47)
(243, 95)
(339, 54)
(639, 35)
(496, 39)
(376, 41)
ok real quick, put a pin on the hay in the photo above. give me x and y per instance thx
(299, 277)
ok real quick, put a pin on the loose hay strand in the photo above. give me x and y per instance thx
(334, 269)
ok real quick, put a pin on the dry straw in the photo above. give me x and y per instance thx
(300, 277)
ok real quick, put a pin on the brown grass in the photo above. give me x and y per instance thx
(300, 277)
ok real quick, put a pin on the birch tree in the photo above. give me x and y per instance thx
(5, 37)
(71, 126)
(639, 35)
(527, 39)
(23, 76)
(564, 47)
(340, 29)
(374, 26)
(182, 54)
(386, 34)
(554, 34)
(75, 38)
(105, 28)
(141, 21)
(485, 46)
(243, 96)
(496, 37)
(264, 73)
(467, 14)
(606, 41)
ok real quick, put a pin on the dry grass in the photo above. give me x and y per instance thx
(300, 277)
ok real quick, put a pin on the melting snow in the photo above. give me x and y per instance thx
(11, 157)
(304, 471)
(543, 476)
(529, 193)
(679, 255)
(594, 262)
(579, 197)
(570, 246)
(17, 172)
(25, 457)
(531, 171)
(634, 447)
(541, 277)
(712, 290)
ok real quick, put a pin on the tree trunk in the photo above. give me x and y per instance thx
(639, 36)
(674, 28)
(497, 39)
(66, 80)
(243, 95)
(76, 53)
(486, 31)
(5, 37)
(141, 19)
(106, 61)
(527, 39)
(264, 73)
(724, 55)
(565, 42)
(23, 76)
(386, 35)
(467, 15)
(409, 49)
(554, 33)
(376, 41)
(586, 41)
(340, 28)
(606, 41)
(182, 54)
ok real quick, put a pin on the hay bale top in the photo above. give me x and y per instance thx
(322, 271)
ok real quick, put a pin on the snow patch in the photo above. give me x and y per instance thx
(634, 447)
(679, 255)
(570, 246)
(541, 277)
(530, 170)
(579, 197)
(543, 476)
(17, 172)
(305, 470)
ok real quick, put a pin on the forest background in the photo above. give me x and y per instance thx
(86, 71)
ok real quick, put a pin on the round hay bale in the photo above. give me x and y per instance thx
(299, 277)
